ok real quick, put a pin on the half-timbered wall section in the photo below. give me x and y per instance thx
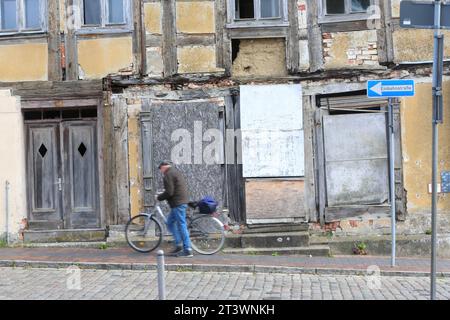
(150, 67)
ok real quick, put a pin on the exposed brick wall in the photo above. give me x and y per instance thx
(356, 56)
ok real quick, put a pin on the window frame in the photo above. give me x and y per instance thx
(21, 20)
(257, 21)
(324, 17)
(105, 26)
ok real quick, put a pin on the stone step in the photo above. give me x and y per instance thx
(273, 228)
(72, 235)
(268, 240)
(314, 251)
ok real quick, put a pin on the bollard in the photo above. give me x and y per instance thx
(161, 280)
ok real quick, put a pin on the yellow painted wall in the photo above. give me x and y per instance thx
(134, 163)
(100, 57)
(416, 45)
(152, 12)
(416, 113)
(196, 59)
(23, 62)
(195, 17)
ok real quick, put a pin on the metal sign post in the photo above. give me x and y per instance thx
(392, 177)
(431, 15)
(391, 89)
(437, 119)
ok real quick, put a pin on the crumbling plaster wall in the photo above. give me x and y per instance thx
(153, 28)
(357, 49)
(260, 58)
(196, 18)
(99, 57)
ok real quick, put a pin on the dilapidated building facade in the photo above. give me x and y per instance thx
(262, 103)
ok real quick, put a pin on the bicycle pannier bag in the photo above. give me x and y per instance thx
(207, 205)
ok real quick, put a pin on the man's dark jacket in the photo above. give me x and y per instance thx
(176, 192)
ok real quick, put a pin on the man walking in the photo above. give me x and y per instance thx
(176, 194)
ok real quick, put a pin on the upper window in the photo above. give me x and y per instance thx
(105, 13)
(345, 9)
(22, 15)
(257, 12)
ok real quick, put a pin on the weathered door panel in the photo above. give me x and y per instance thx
(81, 205)
(44, 173)
(356, 160)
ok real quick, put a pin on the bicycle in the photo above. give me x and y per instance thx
(144, 232)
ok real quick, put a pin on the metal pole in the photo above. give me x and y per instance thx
(437, 118)
(7, 210)
(161, 280)
(392, 177)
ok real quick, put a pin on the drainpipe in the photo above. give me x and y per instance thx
(7, 210)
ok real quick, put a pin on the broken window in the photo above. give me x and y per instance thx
(258, 10)
(22, 15)
(104, 13)
(345, 9)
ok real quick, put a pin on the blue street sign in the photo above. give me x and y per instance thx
(390, 88)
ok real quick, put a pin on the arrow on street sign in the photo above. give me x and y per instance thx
(390, 88)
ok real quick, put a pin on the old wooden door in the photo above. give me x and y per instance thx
(63, 175)
(44, 175)
(80, 174)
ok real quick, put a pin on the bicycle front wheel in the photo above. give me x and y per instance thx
(207, 234)
(143, 233)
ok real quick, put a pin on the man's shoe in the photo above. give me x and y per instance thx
(175, 252)
(185, 253)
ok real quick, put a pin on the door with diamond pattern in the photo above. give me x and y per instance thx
(63, 174)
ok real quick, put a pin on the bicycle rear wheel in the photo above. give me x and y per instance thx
(207, 234)
(143, 233)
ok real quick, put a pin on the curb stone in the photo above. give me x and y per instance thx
(210, 268)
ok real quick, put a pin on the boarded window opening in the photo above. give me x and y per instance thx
(350, 103)
(245, 9)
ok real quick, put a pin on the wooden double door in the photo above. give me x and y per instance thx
(62, 172)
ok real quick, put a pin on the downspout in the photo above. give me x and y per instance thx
(7, 184)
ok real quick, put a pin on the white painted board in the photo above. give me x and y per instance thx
(272, 131)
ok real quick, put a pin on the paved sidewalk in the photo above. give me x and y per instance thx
(127, 259)
(62, 284)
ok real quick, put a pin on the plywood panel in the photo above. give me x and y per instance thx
(274, 199)
(272, 131)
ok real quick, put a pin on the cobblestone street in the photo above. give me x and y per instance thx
(25, 283)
